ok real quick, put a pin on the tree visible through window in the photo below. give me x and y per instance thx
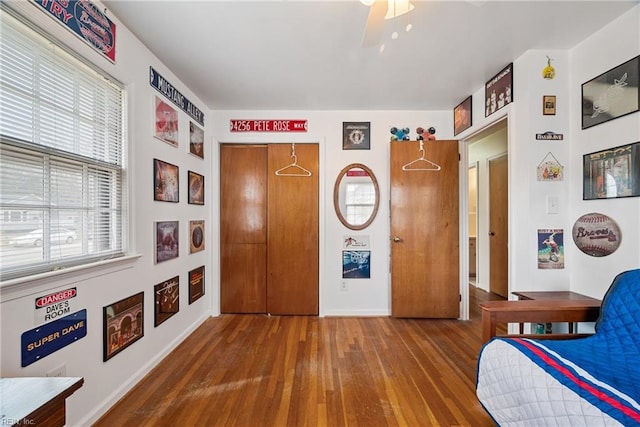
(61, 156)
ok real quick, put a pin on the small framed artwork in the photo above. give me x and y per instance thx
(196, 140)
(167, 299)
(612, 173)
(166, 182)
(123, 324)
(549, 105)
(550, 248)
(498, 92)
(356, 135)
(356, 264)
(462, 116)
(166, 122)
(196, 284)
(612, 94)
(196, 188)
(167, 236)
(196, 241)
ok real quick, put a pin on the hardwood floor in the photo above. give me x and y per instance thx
(249, 370)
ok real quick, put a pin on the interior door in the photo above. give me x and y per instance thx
(425, 230)
(243, 228)
(293, 231)
(498, 226)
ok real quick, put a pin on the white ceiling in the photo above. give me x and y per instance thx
(307, 55)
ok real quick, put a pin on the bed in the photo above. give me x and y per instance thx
(592, 381)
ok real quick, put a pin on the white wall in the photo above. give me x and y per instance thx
(105, 382)
(609, 47)
(363, 296)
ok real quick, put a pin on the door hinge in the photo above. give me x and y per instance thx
(460, 297)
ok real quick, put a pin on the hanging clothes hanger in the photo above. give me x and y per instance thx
(421, 164)
(297, 170)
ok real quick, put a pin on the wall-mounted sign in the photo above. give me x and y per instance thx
(55, 305)
(51, 337)
(267, 125)
(167, 89)
(85, 20)
(549, 136)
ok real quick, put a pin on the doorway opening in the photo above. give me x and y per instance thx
(487, 211)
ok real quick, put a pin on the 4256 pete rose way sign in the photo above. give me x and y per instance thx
(269, 125)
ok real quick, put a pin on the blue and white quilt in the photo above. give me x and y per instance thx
(592, 381)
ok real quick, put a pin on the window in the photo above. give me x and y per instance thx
(61, 156)
(360, 201)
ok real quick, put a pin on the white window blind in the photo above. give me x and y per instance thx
(61, 156)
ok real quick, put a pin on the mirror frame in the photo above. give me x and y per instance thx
(336, 200)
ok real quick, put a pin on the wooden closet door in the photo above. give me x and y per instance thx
(424, 231)
(293, 241)
(243, 228)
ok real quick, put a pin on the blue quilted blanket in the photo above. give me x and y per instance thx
(599, 372)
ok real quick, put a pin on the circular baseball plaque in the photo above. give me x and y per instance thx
(596, 234)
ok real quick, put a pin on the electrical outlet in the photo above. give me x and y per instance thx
(344, 286)
(60, 371)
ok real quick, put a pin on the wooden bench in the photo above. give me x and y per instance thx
(494, 312)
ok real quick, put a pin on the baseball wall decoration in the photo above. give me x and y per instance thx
(596, 234)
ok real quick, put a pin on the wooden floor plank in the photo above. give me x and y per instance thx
(247, 370)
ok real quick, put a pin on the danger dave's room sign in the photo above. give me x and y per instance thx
(267, 125)
(51, 337)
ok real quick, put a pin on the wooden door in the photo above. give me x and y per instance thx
(498, 226)
(424, 232)
(293, 232)
(243, 228)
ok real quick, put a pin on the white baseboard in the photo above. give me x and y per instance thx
(114, 397)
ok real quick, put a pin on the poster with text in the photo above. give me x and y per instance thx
(356, 264)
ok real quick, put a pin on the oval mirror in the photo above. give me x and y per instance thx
(356, 196)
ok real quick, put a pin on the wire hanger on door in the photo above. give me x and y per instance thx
(427, 165)
(297, 170)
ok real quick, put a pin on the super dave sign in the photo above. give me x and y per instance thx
(172, 94)
(86, 21)
(262, 125)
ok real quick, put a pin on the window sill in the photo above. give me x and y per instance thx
(24, 286)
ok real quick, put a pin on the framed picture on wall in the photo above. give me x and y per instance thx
(196, 239)
(167, 240)
(166, 122)
(196, 284)
(356, 135)
(612, 173)
(462, 118)
(356, 264)
(549, 105)
(612, 94)
(196, 140)
(166, 182)
(167, 299)
(196, 188)
(498, 91)
(123, 324)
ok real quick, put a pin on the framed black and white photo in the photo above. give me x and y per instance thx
(612, 173)
(612, 94)
(498, 91)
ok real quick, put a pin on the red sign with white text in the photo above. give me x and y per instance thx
(56, 297)
(270, 125)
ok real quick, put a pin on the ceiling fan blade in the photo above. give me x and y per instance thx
(375, 23)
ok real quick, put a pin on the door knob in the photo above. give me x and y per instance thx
(491, 233)
(396, 239)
